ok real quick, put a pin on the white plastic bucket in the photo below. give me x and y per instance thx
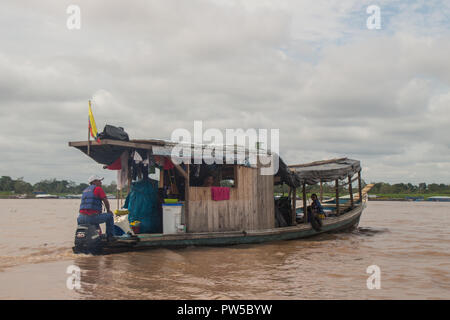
(172, 218)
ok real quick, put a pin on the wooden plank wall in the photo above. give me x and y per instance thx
(251, 205)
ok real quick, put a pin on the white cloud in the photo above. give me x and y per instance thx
(311, 69)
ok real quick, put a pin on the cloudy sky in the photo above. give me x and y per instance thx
(309, 68)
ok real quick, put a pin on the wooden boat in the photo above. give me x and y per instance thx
(250, 215)
(346, 221)
(439, 199)
(46, 196)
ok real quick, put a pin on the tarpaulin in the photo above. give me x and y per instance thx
(142, 204)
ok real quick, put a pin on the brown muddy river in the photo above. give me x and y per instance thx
(408, 241)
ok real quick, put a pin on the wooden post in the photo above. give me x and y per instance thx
(337, 196)
(290, 198)
(321, 191)
(186, 198)
(129, 181)
(117, 196)
(359, 186)
(350, 190)
(161, 178)
(305, 211)
(294, 213)
(89, 136)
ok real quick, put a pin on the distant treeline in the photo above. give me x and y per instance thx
(52, 186)
(378, 188)
(408, 188)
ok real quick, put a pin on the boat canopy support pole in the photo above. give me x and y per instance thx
(305, 210)
(337, 196)
(161, 178)
(294, 213)
(350, 190)
(117, 196)
(359, 186)
(290, 199)
(186, 199)
(89, 136)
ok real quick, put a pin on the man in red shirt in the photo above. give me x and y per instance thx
(91, 206)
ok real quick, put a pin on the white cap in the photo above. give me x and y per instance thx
(93, 178)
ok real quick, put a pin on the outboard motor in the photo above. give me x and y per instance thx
(88, 239)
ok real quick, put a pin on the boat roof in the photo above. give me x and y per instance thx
(326, 170)
(108, 150)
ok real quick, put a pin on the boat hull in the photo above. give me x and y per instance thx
(342, 223)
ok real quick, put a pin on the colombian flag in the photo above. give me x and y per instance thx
(92, 126)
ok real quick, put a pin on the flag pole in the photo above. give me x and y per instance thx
(89, 132)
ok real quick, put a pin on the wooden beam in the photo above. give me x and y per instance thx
(186, 199)
(236, 181)
(161, 178)
(305, 211)
(350, 190)
(359, 186)
(145, 146)
(294, 213)
(316, 163)
(117, 196)
(337, 196)
(89, 136)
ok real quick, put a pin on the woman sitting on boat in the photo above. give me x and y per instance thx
(316, 207)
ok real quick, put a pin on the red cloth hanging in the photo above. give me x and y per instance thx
(168, 164)
(116, 165)
(220, 193)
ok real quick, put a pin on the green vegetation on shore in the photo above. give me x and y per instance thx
(10, 187)
(403, 190)
(408, 188)
(381, 189)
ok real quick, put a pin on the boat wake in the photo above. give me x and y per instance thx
(369, 232)
(41, 255)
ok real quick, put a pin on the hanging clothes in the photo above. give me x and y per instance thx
(142, 205)
(168, 164)
(122, 174)
(146, 165)
(159, 161)
(116, 165)
(151, 165)
(220, 193)
(137, 157)
(196, 170)
(134, 159)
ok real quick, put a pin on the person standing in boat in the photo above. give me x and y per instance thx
(91, 207)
